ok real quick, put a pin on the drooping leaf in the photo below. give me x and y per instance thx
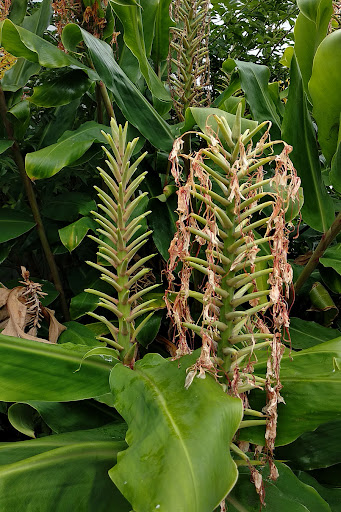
(311, 380)
(163, 23)
(310, 29)
(70, 416)
(324, 87)
(298, 130)
(323, 304)
(70, 147)
(318, 449)
(62, 472)
(35, 371)
(22, 417)
(254, 80)
(331, 495)
(61, 90)
(203, 117)
(73, 234)
(173, 438)
(131, 102)
(14, 224)
(131, 19)
(306, 334)
(284, 494)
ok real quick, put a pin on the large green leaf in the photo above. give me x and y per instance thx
(18, 75)
(61, 90)
(14, 224)
(162, 222)
(310, 28)
(311, 382)
(73, 234)
(332, 258)
(163, 23)
(306, 334)
(324, 87)
(298, 130)
(286, 494)
(203, 117)
(69, 205)
(331, 495)
(31, 370)
(131, 102)
(254, 81)
(22, 43)
(178, 456)
(70, 147)
(312, 450)
(131, 19)
(62, 473)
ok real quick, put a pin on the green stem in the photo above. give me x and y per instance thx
(326, 240)
(18, 158)
(106, 100)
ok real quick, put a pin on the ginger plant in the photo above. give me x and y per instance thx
(119, 241)
(232, 232)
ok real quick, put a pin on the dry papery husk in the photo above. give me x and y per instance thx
(21, 312)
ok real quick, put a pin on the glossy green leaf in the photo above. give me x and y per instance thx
(68, 206)
(69, 148)
(323, 304)
(84, 301)
(180, 448)
(335, 170)
(37, 371)
(331, 495)
(18, 11)
(69, 416)
(306, 334)
(78, 334)
(332, 258)
(331, 279)
(298, 131)
(136, 109)
(73, 234)
(17, 77)
(324, 87)
(23, 43)
(22, 417)
(61, 90)
(310, 28)
(131, 19)
(62, 120)
(14, 224)
(162, 222)
(285, 494)
(5, 144)
(150, 329)
(163, 23)
(203, 117)
(311, 380)
(254, 80)
(61, 473)
(318, 449)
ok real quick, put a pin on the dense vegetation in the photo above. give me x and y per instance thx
(170, 187)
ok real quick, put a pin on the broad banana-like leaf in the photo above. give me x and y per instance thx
(31, 370)
(306, 334)
(14, 224)
(62, 472)
(331, 494)
(134, 38)
(310, 28)
(324, 87)
(61, 90)
(311, 382)
(254, 80)
(178, 456)
(298, 130)
(136, 109)
(18, 75)
(203, 117)
(285, 494)
(70, 147)
(312, 450)
(163, 23)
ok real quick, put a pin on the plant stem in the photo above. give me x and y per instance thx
(106, 100)
(326, 240)
(18, 158)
